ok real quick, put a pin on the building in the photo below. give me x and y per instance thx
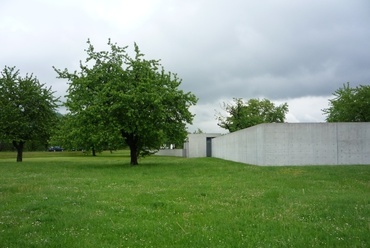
(277, 144)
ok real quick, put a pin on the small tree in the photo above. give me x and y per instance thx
(86, 133)
(349, 105)
(198, 131)
(27, 109)
(246, 114)
(132, 95)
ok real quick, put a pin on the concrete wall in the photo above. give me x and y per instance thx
(297, 144)
(171, 152)
(196, 145)
(240, 146)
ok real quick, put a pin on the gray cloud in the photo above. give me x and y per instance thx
(300, 51)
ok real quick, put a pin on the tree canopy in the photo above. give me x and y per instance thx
(349, 104)
(131, 96)
(80, 132)
(246, 114)
(27, 109)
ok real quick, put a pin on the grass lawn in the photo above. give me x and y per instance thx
(71, 200)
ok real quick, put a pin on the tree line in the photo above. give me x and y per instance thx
(113, 99)
(116, 100)
(349, 104)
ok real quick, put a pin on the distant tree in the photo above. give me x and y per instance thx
(132, 95)
(85, 133)
(30, 145)
(6, 146)
(246, 114)
(349, 105)
(198, 131)
(27, 109)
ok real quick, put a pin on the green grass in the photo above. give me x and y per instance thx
(70, 200)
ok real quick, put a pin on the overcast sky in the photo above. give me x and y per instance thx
(294, 51)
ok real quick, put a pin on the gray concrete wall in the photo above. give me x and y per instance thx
(240, 146)
(297, 144)
(171, 152)
(196, 145)
(354, 143)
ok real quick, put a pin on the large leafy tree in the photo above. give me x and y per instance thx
(27, 109)
(246, 114)
(132, 95)
(349, 104)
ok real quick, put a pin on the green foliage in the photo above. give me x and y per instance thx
(349, 105)
(81, 132)
(130, 96)
(254, 111)
(198, 131)
(32, 145)
(27, 109)
(6, 146)
(69, 200)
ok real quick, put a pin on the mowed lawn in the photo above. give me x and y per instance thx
(72, 200)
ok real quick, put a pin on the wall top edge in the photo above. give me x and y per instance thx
(301, 124)
(205, 134)
(315, 123)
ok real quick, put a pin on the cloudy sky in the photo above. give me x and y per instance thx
(294, 51)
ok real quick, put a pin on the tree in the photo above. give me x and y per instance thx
(349, 104)
(27, 109)
(83, 132)
(132, 95)
(198, 131)
(246, 114)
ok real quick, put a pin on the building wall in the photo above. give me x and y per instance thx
(196, 145)
(296, 144)
(171, 152)
(354, 144)
(240, 146)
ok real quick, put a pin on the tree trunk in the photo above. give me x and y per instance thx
(93, 151)
(19, 147)
(132, 142)
(133, 154)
